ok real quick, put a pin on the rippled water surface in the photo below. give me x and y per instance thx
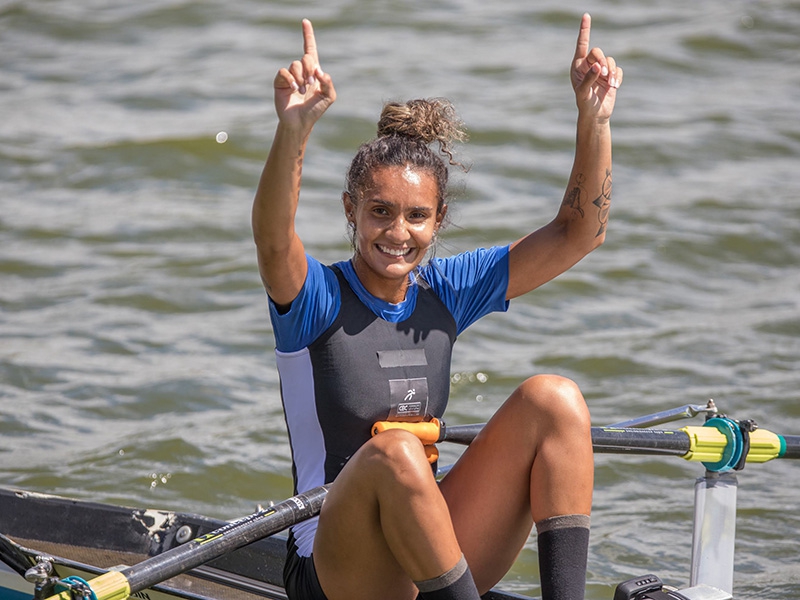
(136, 359)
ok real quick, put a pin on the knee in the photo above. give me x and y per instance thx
(556, 400)
(397, 454)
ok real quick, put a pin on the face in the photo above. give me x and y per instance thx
(395, 222)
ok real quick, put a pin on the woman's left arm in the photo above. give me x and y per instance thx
(580, 225)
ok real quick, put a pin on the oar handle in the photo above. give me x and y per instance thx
(433, 431)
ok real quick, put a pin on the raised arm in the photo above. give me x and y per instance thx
(303, 92)
(580, 225)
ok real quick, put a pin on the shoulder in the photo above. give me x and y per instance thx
(465, 268)
(312, 311)
(471, 284)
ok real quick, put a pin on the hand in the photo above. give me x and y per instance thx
(595, 77)
(303, 92)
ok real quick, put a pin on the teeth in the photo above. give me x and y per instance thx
(395, 252)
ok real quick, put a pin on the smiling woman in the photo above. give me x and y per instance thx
(370, 339)
(393, 225)
(399, 185)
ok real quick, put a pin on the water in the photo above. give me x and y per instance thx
(135, 351)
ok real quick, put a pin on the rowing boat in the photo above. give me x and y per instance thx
(65, 549)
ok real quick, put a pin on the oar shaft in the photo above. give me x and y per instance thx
(692, 443)
(792, 446)
(640, 441)
(225, 539)
(604, 439)
(460, 434)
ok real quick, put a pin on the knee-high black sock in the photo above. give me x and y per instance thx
(455, 584)
(563, 548)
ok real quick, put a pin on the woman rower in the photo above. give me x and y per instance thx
(370, 339)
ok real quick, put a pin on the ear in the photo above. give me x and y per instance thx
(349, 207)
(440, 216)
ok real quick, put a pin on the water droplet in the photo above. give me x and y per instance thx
(222, 137)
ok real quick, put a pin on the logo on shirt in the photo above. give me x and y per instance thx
(409, 398)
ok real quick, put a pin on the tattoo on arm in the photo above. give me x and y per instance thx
(603, 202)
(573, 197)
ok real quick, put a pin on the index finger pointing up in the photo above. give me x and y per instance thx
(309, 43)
(582, 48)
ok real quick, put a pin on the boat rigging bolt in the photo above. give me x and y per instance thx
(41, 571)
(42, 576)
(184, 534)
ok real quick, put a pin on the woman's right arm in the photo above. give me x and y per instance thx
(303, 92)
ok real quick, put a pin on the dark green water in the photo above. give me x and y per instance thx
(136, 359)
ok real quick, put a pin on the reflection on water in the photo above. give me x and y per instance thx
(136, 355)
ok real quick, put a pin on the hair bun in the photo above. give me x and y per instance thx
(427, 120)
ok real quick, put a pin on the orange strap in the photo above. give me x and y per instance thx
(427, 431)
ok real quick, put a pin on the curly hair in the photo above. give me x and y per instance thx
(405, 133)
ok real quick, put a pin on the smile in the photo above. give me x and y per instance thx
(395, 251)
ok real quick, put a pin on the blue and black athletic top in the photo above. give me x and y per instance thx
(347, 359)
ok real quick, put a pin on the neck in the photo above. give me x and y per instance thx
(387, 289)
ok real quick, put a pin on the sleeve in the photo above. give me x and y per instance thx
(472, 284)
(311, 313)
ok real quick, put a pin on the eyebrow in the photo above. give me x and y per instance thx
(390, 204)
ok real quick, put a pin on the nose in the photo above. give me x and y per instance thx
(398, 230)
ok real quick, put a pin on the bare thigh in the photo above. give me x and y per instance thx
(532, 460)
(384, 524)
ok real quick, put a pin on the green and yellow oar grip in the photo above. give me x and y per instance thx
(713, 445)
(765, 445)
(706, 444)
(108, 586)
(111, 586)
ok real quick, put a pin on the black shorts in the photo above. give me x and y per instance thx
(300, 576)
